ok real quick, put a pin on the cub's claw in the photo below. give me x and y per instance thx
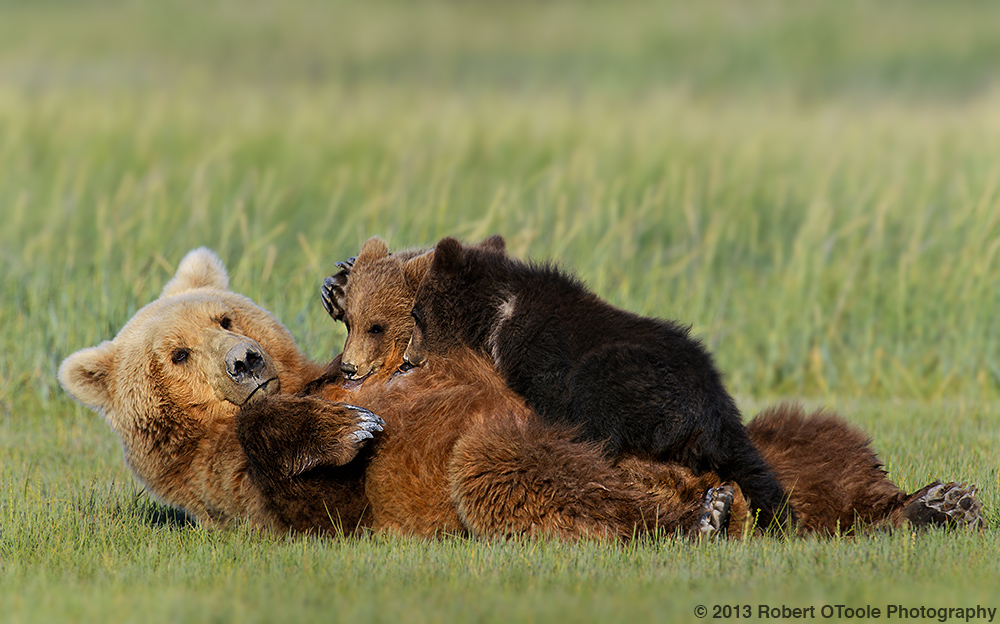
(332, 295)
(946, 504)
(332, 292)
(715, 511)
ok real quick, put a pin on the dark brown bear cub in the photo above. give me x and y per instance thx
(638, 385)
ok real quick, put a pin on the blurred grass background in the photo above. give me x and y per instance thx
(812, 185)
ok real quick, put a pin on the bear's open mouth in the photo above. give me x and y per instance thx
(267, 388)
(350, 383)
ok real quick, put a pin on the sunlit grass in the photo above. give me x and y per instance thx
(84, 559)
(813, 186)
(844, 252)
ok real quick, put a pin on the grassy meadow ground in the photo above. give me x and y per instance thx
(814, 186)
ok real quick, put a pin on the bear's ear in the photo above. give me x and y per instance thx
(85, 374)
(373, 249)
(200, 268)
(414, 269)
(448, 256)
(494, 243)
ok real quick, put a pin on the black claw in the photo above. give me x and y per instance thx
(324, 296)
(330, 292)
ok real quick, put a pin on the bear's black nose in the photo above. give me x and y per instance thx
(244, 362)
(348, 368)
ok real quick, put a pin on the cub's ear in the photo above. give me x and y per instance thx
(494, 243)
(200, 268)
(448, 256)
(415, 268)
(373, 249)
(86, 373)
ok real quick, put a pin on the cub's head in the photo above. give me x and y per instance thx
(183, 365)
(376, 304)
(455, 300)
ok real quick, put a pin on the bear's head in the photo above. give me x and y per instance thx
(456, 298)
(377, 299)
(182, 367)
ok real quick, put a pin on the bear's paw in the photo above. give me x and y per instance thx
(715, 511)
(332, 292)
(286, 436)
(946, 504)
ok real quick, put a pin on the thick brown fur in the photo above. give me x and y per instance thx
(178, 436)
(460, 452)
(835, 480)
(379, 329)
(829, 469)
(303, 462)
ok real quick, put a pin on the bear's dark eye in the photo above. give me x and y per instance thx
(225, 322)
(375, 329)
(418, 316)
(179, 356)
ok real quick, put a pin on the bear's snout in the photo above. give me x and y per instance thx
(244, 362)
(243, 370)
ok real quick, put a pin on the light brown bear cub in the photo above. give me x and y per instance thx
(834, 477)
(379, 330)
(200, 385)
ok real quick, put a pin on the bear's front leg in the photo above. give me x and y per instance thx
(285, 436)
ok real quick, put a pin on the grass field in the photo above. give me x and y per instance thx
(815, 187)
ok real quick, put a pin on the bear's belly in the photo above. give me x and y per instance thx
(408, 487)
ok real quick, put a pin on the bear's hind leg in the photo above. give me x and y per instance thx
(515, 478)
(837, 483)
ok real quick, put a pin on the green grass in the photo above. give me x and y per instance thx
(814, 186)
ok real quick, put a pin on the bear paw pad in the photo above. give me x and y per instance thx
(946, 504)
(715, 511)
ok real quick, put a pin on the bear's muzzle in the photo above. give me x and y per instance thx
(241, 370)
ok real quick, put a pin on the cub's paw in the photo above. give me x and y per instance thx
(946, 504)
(715, 511)
(332, 291)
